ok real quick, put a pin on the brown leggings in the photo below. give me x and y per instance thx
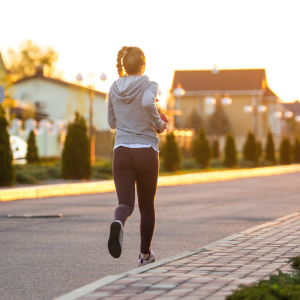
(140, 166)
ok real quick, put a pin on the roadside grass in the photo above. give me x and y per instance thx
(284, 286)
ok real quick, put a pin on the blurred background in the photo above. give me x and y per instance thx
(224, 66)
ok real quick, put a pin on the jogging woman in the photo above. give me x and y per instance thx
(132, 111)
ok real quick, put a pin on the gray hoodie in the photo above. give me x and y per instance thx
(132, 110)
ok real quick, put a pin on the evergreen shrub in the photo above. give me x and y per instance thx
(270, 149)
(7, 171)
(230, 159)
(250, 151)
(296, 150)
(258, 149)
(171, 155)
(285, 152)
(76, 160)
(215, 149)
(32, 151)
(201, 151)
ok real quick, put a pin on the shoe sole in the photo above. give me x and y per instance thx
(114, 246)
(146, 264)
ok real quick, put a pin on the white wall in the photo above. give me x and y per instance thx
(61, 101)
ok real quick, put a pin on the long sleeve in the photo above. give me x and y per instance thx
(111, 115)
(148, 103)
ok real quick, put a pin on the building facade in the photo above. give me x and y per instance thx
(245, 87)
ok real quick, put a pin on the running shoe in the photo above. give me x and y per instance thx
(151, 259)
(115, 241)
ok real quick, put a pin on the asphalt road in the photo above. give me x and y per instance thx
(45, 258)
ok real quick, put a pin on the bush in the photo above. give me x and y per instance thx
(295, 263)
(250, 152)
(76, 160)
(7, 171)
(25, 178)
(212, 123)
(215, 149)
(32, 151)
(171, 154)
(201, 150)
(296, 150)
(270, 149)
(285, 152)
(230, 153)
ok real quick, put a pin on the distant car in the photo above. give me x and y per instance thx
(19, 149)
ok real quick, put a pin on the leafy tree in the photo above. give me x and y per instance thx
(215, 152)
(285, 152)
(296, 150)
(258, 149)
(76, 160)
(230, 152)
(171, 154)
(201, 151)
(270, 149)
(212, 123)
(24, 62)
(250, 152)
(32, 151)
(7, 170)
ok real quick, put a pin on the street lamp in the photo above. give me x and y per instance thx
(90, 87)
(254, 109)
(283, 115)
(178, 93)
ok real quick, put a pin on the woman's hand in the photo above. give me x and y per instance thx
(163, 127)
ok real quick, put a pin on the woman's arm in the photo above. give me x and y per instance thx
(111, 115)
(149, 106)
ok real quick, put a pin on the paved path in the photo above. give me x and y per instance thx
(214, 272)
(43, 259)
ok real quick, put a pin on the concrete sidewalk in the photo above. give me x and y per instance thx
(211, 272)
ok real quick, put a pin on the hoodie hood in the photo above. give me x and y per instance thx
(127, 87)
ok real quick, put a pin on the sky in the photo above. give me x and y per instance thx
(174, 35)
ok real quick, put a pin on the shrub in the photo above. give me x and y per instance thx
(270, 149)
(258, 149)
(32, 151)
(25, 178)
(171, 155)
(7, 171)
(285, 152)
(215, 149)
(250, 152)
(230, 153)
(76, 160)
(212, 123)
(295, 263)
(296, 150)
(201, 149)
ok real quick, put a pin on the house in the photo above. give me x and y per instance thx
(245, 87)
(57, 100)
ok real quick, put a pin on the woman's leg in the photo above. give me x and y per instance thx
(147, 166)
(124, 178)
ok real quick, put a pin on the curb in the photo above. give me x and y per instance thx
(111, 278)
(70, 189)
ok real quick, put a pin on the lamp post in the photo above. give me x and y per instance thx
(283, 115)
(255, 109)
(90, 87)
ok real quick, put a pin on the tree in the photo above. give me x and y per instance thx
(258, 149)
(230, 159)
(270, 149)
(194, 121)
(171, 154)
(76, 160)
(7, 171)
(215, 153)
(296, 150)
(32, 151)
(24, 62)
(201, 149)
(250, 152)
(285, 152)
(212, 123)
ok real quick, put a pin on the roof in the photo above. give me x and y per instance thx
(224, 80)
(294, 107)
(270, 93)
(39, 75)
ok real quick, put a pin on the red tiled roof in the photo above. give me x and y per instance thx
(270, 93)
(224, 80)
(57, 81)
